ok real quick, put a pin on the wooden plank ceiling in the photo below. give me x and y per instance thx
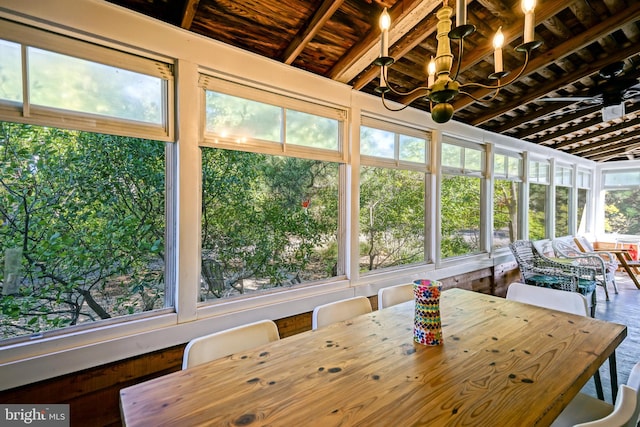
(339, 39)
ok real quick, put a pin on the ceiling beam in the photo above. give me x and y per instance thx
(405, 14)
(565, 49)
(189, 13)
(574, 128)
(562, 119)
(600, 133)
(307, 32)
(553, 85)
(509, 128)
(617, 150)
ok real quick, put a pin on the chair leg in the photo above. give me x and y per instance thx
(606, 291)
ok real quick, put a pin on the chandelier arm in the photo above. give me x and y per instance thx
(481, 99)
(400, 93)
(390, 108)
(501, 85)
(460, 52)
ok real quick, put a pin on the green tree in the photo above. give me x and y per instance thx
(267, 218)
(87, 212)
(391, 217)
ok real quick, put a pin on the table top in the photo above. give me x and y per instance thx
(501, 361)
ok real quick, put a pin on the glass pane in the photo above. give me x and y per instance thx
(621, 211)
(267, 222)
(230, 116)
(473, 160)
(537, 211)
(312, 131)
(10, 72)
(505, 212)
(83, 221)
(376, 142)
(460, 215)
(391, 217)
(452, 156)
(622, 178)
(563, 176)
(500, 165)
(514, 167)
(583, 199)
(562, 211)
(413, 149)
(61, 81)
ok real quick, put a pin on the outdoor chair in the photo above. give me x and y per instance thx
(223, 343)
(538, 270)
(338, 311)
(605, 272)
(392, 295)
(587, 411)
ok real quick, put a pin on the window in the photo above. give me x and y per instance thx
(73, 84)
(564, 182)
(266, 122)
(538, 185)
(269, 221)
(584, 191)
(461, 195)
(83, 210)
(83, 228)
(622, 201)
(506, 195)
(392, 195)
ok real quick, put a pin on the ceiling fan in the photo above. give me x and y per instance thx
(610, 92)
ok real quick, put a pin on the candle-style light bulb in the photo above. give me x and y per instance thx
(498, 42)
(431, 71)
(461, 13)
(385, 24)
(528, 7)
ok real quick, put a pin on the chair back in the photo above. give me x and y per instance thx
(392, 295)
(569, 302)
(338, 311)
(219, 344)
(634, 383)
(583, 244)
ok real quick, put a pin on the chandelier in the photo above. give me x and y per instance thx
(441, 86)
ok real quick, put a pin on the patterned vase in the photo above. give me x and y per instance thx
(427, 328)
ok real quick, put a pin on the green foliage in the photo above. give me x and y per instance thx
(392, 217)
(537, 211)
(622, 210)
(254, 221)
(460, 210)
(505, 211)
(88, 212)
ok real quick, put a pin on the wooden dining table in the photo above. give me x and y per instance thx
(502, 363)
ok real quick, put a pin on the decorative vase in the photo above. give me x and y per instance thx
(427, 328)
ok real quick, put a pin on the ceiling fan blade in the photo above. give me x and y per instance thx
(568, 99)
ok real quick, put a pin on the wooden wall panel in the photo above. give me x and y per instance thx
(93, 394)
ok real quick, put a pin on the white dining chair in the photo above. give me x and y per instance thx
(223, 343)
(568, 302)
(338, 311)
(554, 299)
(587, 411)
(392, 295)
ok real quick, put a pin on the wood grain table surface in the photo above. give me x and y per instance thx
(502, 363)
